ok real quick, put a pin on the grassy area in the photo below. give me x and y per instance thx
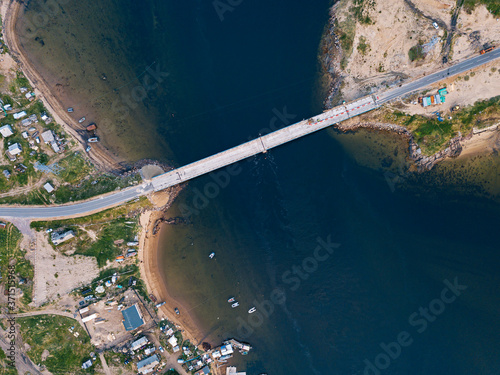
(52, 333)
(416, 53)
(346, 31)
(92, 187)
(22, 81)
(11, 254)
(5, 369)
(363, 47)
(104, 249)
(75, 168)
(432, 135)
(97, 219)
(359, 10)
(109, 226)
(118, 360)
(493, 6)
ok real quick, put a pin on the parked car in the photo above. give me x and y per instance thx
(70, 109)
(88, 148)
(49, 230)
(177, 311)
(436, 26)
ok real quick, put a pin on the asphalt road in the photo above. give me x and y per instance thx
(436, 77)
(76, 209)
(175, 177)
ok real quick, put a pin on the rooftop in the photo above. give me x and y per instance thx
(132, 318)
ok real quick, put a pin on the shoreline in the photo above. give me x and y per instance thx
(476, 142)
(149, 264)
(101, 157)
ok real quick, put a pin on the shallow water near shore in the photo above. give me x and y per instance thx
(384, 250)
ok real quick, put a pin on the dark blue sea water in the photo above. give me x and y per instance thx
(349, 275)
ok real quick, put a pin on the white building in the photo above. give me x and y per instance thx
(231, 370)
(137, 344)
(19, 115)
(48, 187)
(15, 149)
(147, 365)
(90, 317)
(173, 341)
(55, 146)
(57, 238)
(6, 131)
(48, 136)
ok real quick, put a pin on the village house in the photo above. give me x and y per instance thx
(6, 131)
(148, 364)
(58, 238)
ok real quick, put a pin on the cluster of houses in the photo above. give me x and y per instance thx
(31, 135)
(145, 353)
(438, 98)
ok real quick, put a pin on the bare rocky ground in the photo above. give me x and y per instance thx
(396, 27)
(56, 274)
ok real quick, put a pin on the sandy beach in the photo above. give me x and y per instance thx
(482, 141)
(152, 275)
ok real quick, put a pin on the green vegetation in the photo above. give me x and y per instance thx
(432, 135)
(416, 53)
(124, 274)
(346, 31)
(493, 6)
(363, 47)
(5, 369)
(52, 333)
(117, 359)
(96, 219)
(360, 12)
(104, 249)
(92, 187)
(11, 254)
(109, 226)
(22, 81)
(75, 168)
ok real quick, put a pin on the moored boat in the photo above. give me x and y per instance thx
(236, 304)
(252, 310)
(230, 300)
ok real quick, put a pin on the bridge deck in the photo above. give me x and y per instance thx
(264, 143)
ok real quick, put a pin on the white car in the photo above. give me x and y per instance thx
(436, 26)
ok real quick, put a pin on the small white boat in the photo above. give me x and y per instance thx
(252, 310)
(211, 255)
(236, 304)
(230, 300)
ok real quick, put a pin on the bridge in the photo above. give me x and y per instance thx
(245, 150)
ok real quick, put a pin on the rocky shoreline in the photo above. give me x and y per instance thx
(422, 162)
(331, 56)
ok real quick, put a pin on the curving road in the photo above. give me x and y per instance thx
(261, 144)
(76, 209)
